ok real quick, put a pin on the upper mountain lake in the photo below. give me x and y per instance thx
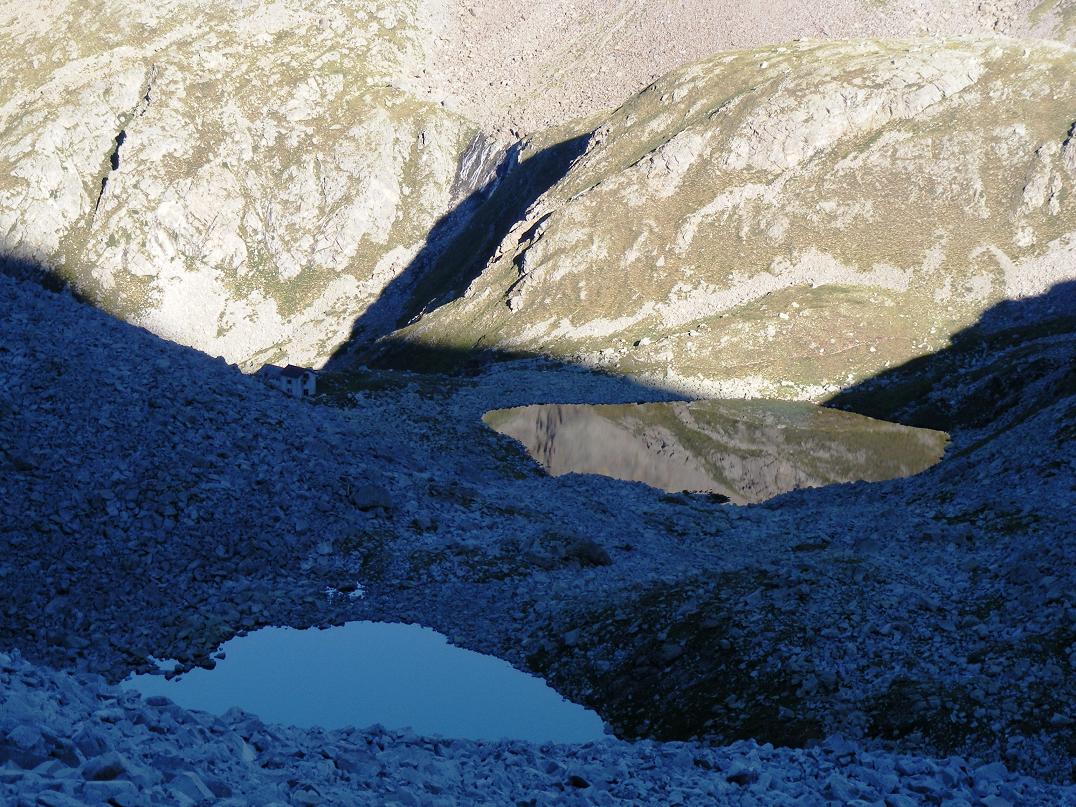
(362, 673)
(745, 450)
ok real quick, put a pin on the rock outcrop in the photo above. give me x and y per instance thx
(238, 177)
(250, 180)
(785, 221)
(267, 181)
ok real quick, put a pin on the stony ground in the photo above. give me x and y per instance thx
(71, 740)
(531, 64)
(249, 179)
(156, 502)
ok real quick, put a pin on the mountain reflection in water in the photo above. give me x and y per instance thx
(745, 450)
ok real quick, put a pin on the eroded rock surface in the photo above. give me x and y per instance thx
(243, 178)
(785, 221)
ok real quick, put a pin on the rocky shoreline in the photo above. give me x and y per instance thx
(70, 740)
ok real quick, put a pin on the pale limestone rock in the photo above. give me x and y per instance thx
(807, 116)
(880, 195)
(1068, 153)
(233, 176)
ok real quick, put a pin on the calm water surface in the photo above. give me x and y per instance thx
(747, 451)
(401, 676)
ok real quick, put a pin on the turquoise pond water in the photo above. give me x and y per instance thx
(401, 676)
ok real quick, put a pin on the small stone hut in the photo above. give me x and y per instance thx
(299, 382)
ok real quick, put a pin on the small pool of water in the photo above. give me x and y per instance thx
(401, 676)
(746, 451)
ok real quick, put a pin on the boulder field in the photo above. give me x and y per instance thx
(646, 205)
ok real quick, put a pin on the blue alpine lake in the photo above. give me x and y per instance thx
(362, 673)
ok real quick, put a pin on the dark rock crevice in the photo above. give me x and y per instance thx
(121, 136)
(482, 166)
(114, 165)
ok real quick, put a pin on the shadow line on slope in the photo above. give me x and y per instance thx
(31, 271)
(460, 244)
(982, 379)
(83, 339)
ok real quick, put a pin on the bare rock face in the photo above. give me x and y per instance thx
(252, 180)
(241, 177)
(538, 63)
(783, 221)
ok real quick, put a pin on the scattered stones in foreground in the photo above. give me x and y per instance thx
(67, 740)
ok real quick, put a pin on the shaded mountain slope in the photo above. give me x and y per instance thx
(934, 613)
(890, 225)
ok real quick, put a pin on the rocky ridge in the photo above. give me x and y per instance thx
(790, 220)
(270, 183)
(244, 179)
